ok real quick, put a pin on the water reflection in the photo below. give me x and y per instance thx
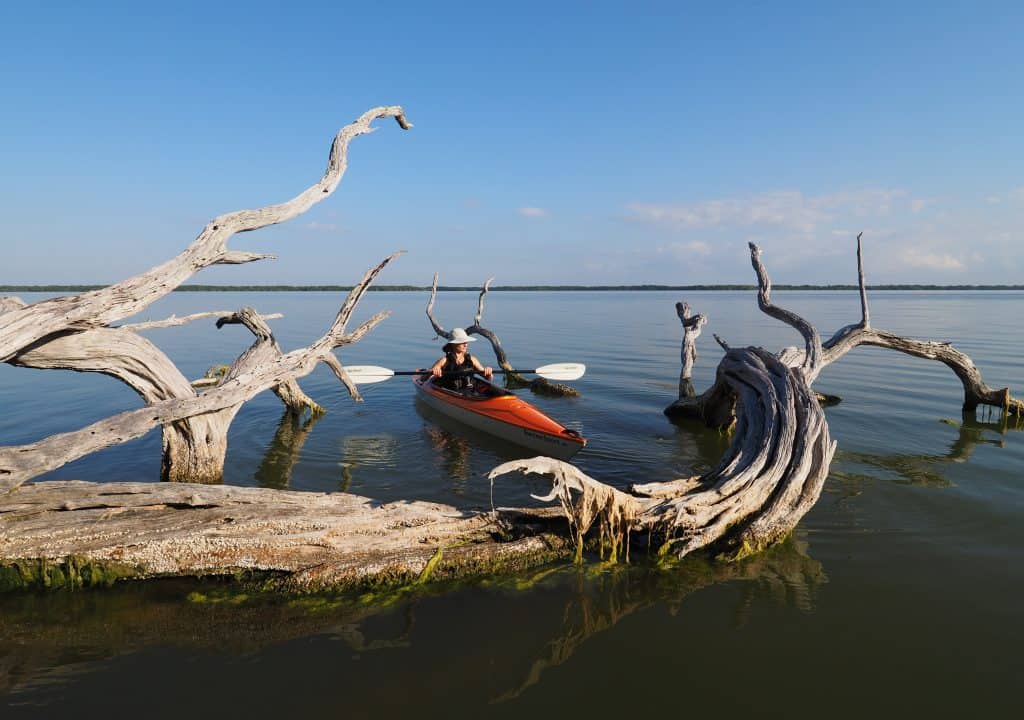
(454, 451)
(49, 644)
(926, 470)
(366, 451)
(699, 447)
(784, 575)
(275, 471)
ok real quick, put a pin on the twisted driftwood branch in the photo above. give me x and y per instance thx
(976, 390)
(224, 317)
(72, 333)
(22, 327)
(715, 405)
(252, 373)
(767, 480)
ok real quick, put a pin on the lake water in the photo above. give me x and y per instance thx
(900, 593)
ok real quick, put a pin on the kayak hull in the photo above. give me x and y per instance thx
(503, 415)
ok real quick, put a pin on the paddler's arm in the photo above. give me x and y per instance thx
(435, 369)
(485, 371)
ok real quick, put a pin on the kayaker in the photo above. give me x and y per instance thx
(457, 358)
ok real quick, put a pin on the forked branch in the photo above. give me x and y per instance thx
(252, 373)
(21, 327)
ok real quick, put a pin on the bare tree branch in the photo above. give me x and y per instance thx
(22, 327)
(256, 370)
(812, 340)
(224, 317)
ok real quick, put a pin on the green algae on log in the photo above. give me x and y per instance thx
(76, 534)
(69, 573)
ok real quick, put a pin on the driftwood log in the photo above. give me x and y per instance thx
(715, 406)
(512, 379)
(76, 333)
(774, 469)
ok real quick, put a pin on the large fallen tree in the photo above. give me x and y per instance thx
(58, 533)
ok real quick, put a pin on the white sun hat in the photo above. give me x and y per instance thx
(459, 336)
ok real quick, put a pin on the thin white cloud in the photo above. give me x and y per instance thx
(316, 226)
(782, 209)
(686, 250)
(533, 212)
(922, 258)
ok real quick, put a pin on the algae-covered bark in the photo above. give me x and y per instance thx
(67, 533)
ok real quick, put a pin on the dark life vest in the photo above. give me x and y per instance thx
(451, 365)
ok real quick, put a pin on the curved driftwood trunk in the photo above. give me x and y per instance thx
(776, 465)
(22, 327)
(74, 333)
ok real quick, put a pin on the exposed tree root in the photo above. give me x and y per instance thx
(583, 500)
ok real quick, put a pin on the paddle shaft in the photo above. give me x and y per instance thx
(456, 373)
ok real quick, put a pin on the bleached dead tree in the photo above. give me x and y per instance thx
(78, 333)
(776, 465)
(692, 325)
(512, 379)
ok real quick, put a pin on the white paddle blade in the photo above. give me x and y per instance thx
(366, 374)
(562, 371)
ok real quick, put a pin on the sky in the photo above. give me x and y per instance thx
(554, 142)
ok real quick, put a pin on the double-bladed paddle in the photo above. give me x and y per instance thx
(365, 374)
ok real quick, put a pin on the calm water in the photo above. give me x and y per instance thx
(899, 594)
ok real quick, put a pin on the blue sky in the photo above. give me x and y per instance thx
(567, 143)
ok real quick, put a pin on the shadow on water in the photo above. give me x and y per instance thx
(52, 643)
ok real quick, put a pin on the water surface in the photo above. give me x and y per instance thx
(899, 593)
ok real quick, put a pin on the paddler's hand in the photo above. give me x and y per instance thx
(435, 371)
(488, 373)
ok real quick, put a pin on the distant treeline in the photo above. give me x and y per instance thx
(503, 288)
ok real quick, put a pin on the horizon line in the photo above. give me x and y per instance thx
(646, 287)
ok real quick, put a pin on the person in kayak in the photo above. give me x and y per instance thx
(457, 358)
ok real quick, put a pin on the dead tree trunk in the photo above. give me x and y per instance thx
(776, 465)
(75, 333)
(512, 379)
(692, 325)
(768, 479)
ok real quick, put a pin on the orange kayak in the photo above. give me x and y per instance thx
(500, 413)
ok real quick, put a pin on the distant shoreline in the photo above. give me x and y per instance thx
(506, 288)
